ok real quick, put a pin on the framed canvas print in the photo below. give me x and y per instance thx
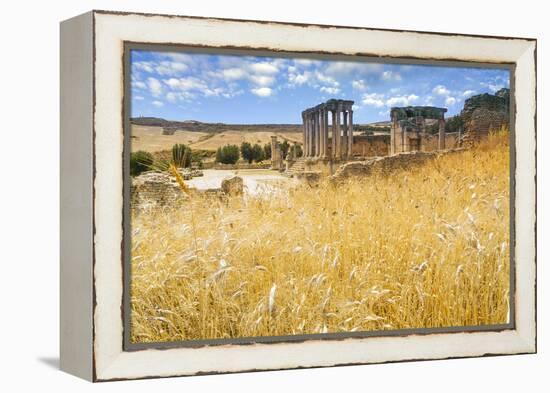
(247, 195)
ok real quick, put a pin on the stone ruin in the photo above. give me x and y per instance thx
(316, 130)
(485, 112)
(155, 189)
(409, 128)
(277, 159)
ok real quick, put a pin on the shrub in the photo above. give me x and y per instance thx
(267, 151)
(140, 161)
(299, 152)
(285, 147)
(181, 155)
(246, 152)
(258, 153)
(228, 154)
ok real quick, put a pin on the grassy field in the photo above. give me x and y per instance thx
(422, 248)
(150, 138)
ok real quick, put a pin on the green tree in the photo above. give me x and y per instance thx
(285, 147)
(258, 153)
(228, 154)
(299, 152)
(140, 161)
(267, 151)
(246, 152)
(197, 158)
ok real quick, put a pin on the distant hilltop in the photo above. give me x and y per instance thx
(171, 126)
(195, 125)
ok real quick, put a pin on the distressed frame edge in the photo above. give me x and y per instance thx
(528, 340)
(129, 346)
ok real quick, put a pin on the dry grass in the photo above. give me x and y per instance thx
(150, 138)
(425, 248)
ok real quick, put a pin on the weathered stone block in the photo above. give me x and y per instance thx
(233, 186)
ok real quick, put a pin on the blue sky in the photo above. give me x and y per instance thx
(254, 89)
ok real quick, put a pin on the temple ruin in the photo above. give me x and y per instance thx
(409, 128)
(328, 139)
(316, 130)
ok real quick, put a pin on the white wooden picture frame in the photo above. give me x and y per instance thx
(92, 203)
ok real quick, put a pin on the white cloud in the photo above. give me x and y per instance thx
(171, 97)
(373, 99)
(390, 75)
(186, 84)
(139, 85)
(347, 67)
(329, 90)
(403, 100)
(145, 66)
(231, 74)
(450, 100)
(138, 98)
(179, 57)
(162, 68)
(264, 68)
(359, 85)
(262, 91)
(304, 62)
(468, 93)
(155, 87)
(262, 80)
(299, 79)
(493, 87)
(158, 103)
(170, 68)
(325, 79)
(441, 90)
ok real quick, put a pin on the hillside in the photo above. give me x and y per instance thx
(152, 139)
(154, 134)
(194, 125)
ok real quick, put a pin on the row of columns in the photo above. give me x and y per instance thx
(316, 130)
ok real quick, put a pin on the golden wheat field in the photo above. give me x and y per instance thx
(426, 247)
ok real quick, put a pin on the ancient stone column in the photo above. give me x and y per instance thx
(441, 134)
(311, 135)
(306, 135)
(335, 132)
(274, 153)
(350, 134)
(304, 130)
(344, 147)
(338, 134)
(393, 131)
(309, 132)
(325, 132)
(294, 153)
(317, 134)
(321, 133)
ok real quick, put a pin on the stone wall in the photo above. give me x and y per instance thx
(152, 189)
(430, 142)
(482, 121)
(485, 112)
(386, 165)
(371, 145)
